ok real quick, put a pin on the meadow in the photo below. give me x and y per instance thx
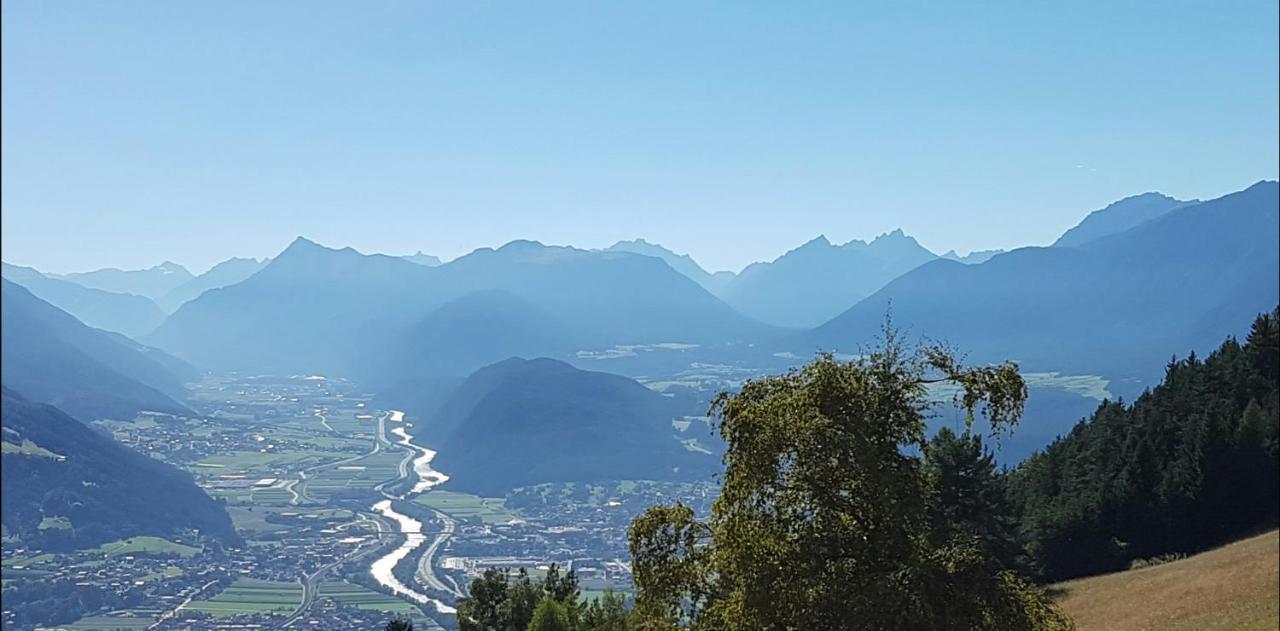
(1232, 587)
(464, 506)
(249, 596)
(142, 620)
(364, 598)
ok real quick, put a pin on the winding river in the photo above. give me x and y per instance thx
(383, 568)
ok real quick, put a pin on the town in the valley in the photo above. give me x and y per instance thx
(321, 484)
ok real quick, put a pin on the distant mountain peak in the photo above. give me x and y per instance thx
(682, 263)
(422, 258)
(817, 242)
(522, 245)
(302, 242)
(304, 247)
(896, 233)
(1120, 216)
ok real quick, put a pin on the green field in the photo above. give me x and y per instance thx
(27, 448)
(360, 474)
(154, 545)
(266, 462)
(110, 623)
(248, 596)
(364, 598)
(56, 522)
(491, 510)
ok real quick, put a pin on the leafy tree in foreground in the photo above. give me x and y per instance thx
(501, 601)
(549, 615)
(824, 520)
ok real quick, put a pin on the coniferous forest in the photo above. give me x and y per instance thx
(1190, 464)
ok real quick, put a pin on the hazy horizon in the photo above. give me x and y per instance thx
(135, 134)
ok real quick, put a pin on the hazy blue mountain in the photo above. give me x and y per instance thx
(310, 309)
(56, 466)
(1116, 306)
(618, 297)
(683, 263)
(50, 356)
(476, 330)
(228, 272)
(129, 314)
(153, 282)
(522, 422)
(317, 309)
(1120, 216)
(812, 283)
(421, 258)
(972, 258)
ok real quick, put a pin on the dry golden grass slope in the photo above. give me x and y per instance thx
(1236, 586)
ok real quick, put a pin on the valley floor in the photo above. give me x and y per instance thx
(1233, 587)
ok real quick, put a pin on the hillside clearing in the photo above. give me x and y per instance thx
(1233, 587)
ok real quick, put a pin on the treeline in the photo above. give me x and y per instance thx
(504, 600)
(1190, 464)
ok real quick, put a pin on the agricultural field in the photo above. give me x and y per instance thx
(152, 545)
(464, 506)
(364, 598)
(360, 474)
(137, 622)
(1232, 587)
(249, 596)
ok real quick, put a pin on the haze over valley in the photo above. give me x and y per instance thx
(649, 316)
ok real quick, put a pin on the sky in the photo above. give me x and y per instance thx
(135, 132)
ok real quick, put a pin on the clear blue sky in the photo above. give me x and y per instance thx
(135, 132)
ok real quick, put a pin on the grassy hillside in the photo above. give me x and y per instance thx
(1232, 587)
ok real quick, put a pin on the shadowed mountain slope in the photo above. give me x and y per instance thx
(812, 283)
(521, 422)
(50, 356)
(129, 314)
(55, 466)
(228, 272)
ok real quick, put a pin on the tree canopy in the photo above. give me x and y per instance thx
(824, 520)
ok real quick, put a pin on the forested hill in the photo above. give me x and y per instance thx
(57, 470)
(1190, 464)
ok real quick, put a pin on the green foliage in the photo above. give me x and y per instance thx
(502, 601)
(1189, 465)
(826, 520)
(607, 613)
(549, 615)
(969, 501)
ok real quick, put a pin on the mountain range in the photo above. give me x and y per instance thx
(812, 283)
(315, 308)
(228, 272)
(1120, 303)
(153, 282)
(389, 319)
(129, 314)
(1133, 283)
